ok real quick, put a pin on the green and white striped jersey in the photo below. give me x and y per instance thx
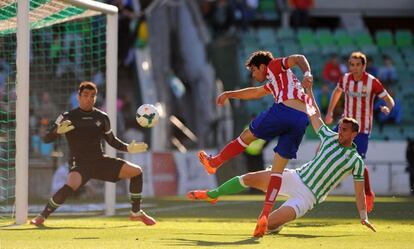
(331, 165)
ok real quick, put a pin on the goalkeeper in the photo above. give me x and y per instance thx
(84, 128)
(310, 184)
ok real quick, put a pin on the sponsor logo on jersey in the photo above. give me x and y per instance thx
(87, 117)
(98, 123)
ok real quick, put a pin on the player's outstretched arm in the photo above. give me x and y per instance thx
(336, 95)
(360, 202)
(58, 129)
(302, 62)
(245, 93)
(315, 119)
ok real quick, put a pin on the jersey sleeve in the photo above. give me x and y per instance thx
(378, 89)
(324, 132)
(358, 170)
(278, 65)
(110, 137)
(106, 125)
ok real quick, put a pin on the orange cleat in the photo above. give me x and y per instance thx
(142, 216)
(38, 220)
(201, 195)
(261, 227)
(369, 201)
(205, 161)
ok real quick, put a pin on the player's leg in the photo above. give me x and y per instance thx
(134, 173)
(263, 126)
(300, 201)
(361, 141)
(279, 217)
(232, 149)
(74, 181)
(293, 124)
(275, 182)
(235, 185)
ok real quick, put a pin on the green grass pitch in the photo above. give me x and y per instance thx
(229, 224)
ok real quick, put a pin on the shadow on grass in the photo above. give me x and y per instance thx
(189, 242)
(43, 227)
(309, 236)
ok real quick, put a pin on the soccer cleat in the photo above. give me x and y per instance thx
(205, 161)
(142, 216)
(201, 195)
(38, 220)
(261, 227)
(275, 231)
(369, 201)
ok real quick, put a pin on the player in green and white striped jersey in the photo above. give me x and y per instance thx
(310, 184)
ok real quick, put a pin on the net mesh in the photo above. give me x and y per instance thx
(68, 45)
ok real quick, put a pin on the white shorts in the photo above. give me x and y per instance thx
(301, 199)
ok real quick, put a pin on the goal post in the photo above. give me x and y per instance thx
(21, 18)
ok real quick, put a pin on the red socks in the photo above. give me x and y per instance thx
(271, 193)
(231, 150)
(369, 194)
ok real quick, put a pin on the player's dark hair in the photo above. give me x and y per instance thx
(359, 55)
(87, 85)
(355, 125)
(259, 57)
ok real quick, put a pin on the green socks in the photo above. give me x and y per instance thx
(232, 186)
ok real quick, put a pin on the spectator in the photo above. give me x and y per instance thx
(371, 68)
(300, 12)
(410, 161)
(332, 71)
(387, 72)
(344, 65)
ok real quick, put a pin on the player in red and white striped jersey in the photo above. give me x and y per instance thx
(360, 89)
(286, 118)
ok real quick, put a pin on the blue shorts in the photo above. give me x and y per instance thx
(361, 141)
(284, 122)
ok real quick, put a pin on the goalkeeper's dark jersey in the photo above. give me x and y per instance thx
(85, 140)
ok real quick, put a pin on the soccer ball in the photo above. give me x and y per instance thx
(147, 115)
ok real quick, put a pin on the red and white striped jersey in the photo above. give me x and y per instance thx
(359, 98)
(283, 83)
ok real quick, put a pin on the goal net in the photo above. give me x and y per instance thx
(68, 44)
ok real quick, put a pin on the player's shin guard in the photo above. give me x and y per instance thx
(271, 193)
(135, 189)
(231, 150)
(58, 199)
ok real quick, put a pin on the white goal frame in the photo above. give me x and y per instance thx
(22, 101)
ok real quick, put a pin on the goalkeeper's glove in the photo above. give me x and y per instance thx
(135, 147)
(64, 127)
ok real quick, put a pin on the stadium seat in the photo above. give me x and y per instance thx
(362, 38)
(266, 36)
(311, 49)
(403, 38)
(384, 38)
(329, 49)
(290, 48)
(306, 37)
(267, 10)
(369, 49)
(324, 37)
(285, 35)
(343, 38)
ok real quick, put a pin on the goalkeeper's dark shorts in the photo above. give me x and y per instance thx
(103, 168)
